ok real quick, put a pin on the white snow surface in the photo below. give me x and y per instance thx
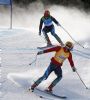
(18, 50)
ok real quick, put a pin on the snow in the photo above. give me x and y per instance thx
(18, 50)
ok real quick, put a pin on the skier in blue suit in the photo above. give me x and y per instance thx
(48, 20)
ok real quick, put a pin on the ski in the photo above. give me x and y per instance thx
(52, 94)
(58, 97)
(46, 47)
(48, 98)
(39, 92)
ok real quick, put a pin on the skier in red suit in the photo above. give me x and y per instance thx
(62, 53)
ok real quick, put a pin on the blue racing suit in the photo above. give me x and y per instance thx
(49, 27)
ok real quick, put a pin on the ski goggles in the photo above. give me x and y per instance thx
(69, 48)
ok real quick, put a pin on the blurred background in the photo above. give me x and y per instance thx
(80, 4)
(72, 14)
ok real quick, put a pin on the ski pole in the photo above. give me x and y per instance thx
(34, 60)
(71, 37)
(81, 80)
(82, 52)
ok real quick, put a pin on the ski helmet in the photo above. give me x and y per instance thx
(69, 45)
(46, 13)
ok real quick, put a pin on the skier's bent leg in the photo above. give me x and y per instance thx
(54, 83)
(57, 38)
(58, 72)
(38, 82)
(44, 77)
(47, 39)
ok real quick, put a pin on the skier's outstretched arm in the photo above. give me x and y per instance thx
(55, 21)
(71, 62)
(49, 50)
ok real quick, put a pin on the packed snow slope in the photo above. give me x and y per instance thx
(18, 48)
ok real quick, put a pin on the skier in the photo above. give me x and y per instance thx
(56, 62)
(47, 19)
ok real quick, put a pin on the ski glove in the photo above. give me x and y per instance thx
(40, 52)
(74, 69)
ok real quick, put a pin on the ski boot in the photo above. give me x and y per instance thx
(49, 90)
(33, 87)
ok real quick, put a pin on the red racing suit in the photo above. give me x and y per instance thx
(60, 55)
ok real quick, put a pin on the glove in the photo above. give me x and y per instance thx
(58, 24)
(40, 52)
(74, 69)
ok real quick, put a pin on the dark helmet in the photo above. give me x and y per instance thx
(69, 45)
(46, 13)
